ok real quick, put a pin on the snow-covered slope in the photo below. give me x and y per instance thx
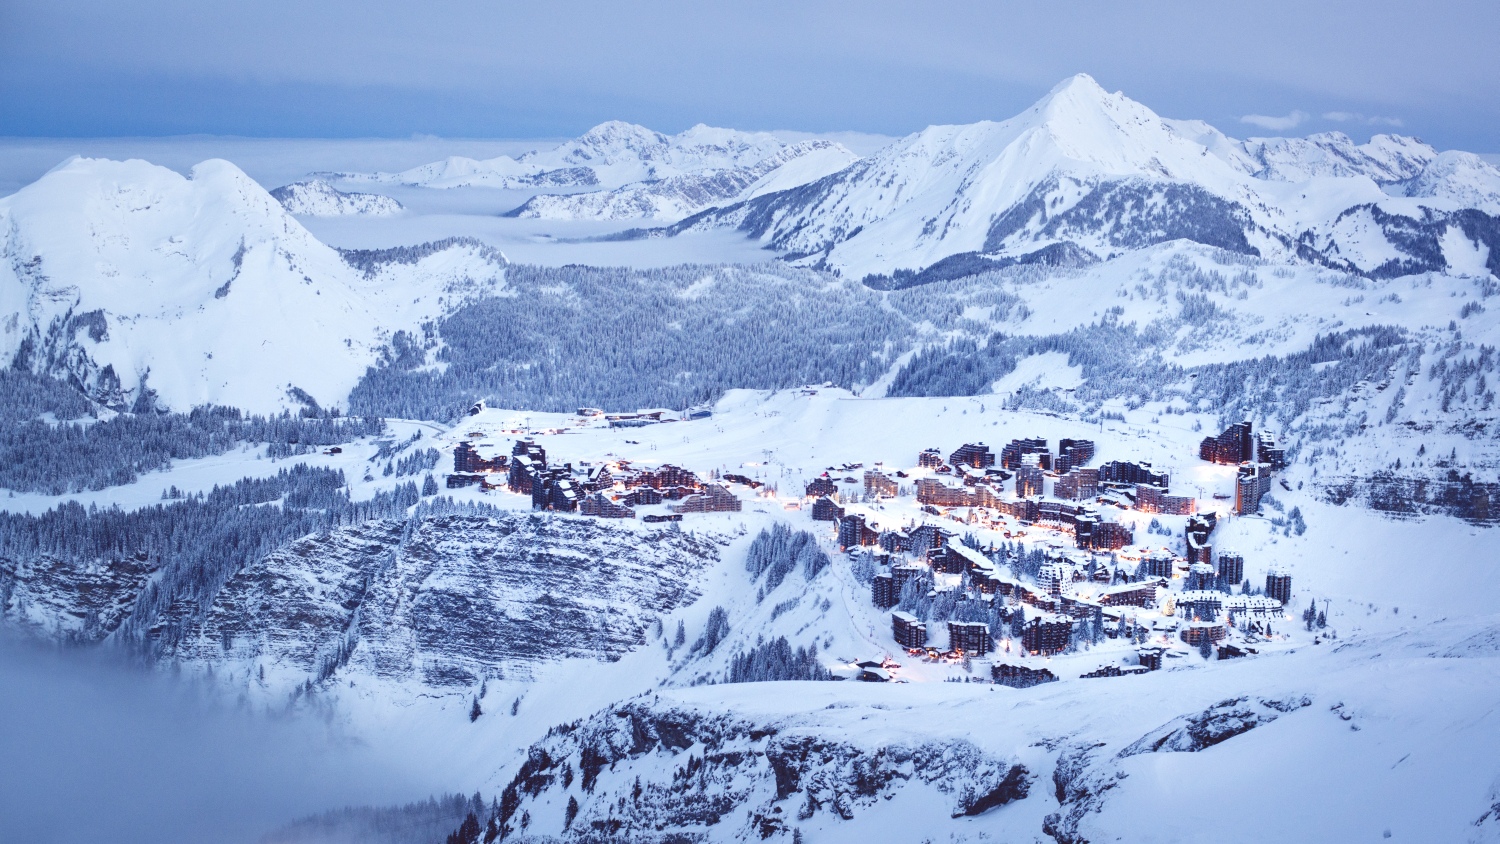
(1385, 159)
(145, 286)
(318, 198)
(608, 156)
(1461, 177)
(1096, 174)
(674, 197)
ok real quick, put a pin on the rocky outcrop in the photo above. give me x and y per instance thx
(448, 600)
(646, 771)
(1220, 722)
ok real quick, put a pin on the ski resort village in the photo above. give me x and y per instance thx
(1077, 476)
(1009, 562)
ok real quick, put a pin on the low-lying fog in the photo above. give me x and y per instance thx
(92, 751)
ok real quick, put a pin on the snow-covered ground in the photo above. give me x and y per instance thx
(1396, 685)
(185, 277)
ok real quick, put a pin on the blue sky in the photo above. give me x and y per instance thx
(467, 69)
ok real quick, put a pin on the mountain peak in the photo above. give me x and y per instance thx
(1078, 83)
(1079, 91)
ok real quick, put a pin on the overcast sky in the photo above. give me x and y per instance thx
(394, 68)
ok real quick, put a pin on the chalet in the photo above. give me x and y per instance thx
(854, 533)
(1234, 652)
(1232, 447)
(1250, 485)
(599, 479)
(1081, 608)
(1200, 604)
(1022, 510)
(1195, 632)
(971, 637)
(1110, 536)
(1139, 594)
(523, 474)
(904, 572)
(948, 560)
(909, 632)
(821, 486)
(1051, 578)
(1077, 485)
(1279, 586)
(977, 455)
(1158, 563)
(555, 489)
(467, 459)
(530, 449)
(1241, 609)
(641, 497)
(1201, 576)
(1046, 634)
(1028, 482)
(1199, 527)
(1266, 451)
(658, 517)
(825, 510)
(918, 540)
(924, 538)
(938, 494)
(1150, 658)
(883, 591)
(713, 499)
(1150, 498)
(1114, 671)
(460, 480)
(630, 420)
(668, 477)
(1012, 456)
(877, 484)
(1230, 570)
(1122, 472)
(598, 505)
(1071, 454)
(1020, 676)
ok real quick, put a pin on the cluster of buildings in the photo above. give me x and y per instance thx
(1255, 453)
(611, 490)
(1103, 583)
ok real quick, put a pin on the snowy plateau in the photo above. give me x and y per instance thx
(1085, 476)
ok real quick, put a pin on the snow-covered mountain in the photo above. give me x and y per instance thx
(1385, 159)
(318, 198)
(674, 197)
(1090, 174)
(146, 287)
(638, 174)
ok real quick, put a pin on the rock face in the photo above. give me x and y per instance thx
(644, 771)
(450, 599)
(1218, 723)
(76, 601)
(441, 601)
